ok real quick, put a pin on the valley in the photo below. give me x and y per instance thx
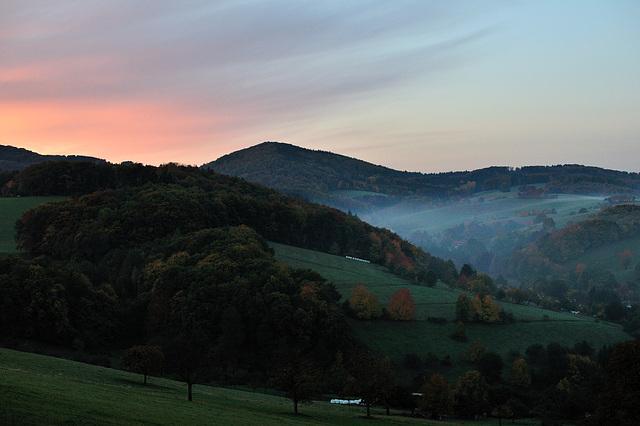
(256, 284)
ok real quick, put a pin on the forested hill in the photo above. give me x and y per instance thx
(177, 257)
(131, 204)
(12, 158)
(320, 176)
(555, 253)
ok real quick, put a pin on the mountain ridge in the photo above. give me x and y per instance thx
(320, 176)
(14, 158)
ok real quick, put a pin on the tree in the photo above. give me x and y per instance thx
(145, 360)
(476, 350)
(490, 366)
(299, 378)
(371, 378)
(464, 309)
(437, 396)
(431, 278)
(481, 283)
(619, 402)
(485, 309)
(401, 306)
(502, 411)
(471, 394)
(626, 256)
(364, 303)
(520, 373)
(467, 270)
(189, 357)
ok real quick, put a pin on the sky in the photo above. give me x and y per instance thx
(427, 86)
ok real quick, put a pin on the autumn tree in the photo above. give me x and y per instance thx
(364, 303)
(485, 309)
(437, 396)
(145, 360)
(401, 306)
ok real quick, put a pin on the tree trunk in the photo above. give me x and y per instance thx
(145, 379)
(190, 390)
(368, 410)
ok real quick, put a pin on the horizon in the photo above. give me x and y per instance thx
(354, 158)
(416, 86)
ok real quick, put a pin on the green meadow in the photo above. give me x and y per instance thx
(420, 337)
(36, 389)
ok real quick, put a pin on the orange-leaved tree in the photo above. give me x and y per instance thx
(401, 306)
(365, 304)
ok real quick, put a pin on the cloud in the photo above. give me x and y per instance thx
(226, 53)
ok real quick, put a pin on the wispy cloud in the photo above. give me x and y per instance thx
(184, 77)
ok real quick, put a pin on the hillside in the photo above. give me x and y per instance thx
(596, 258)
(178, 258)
(533, 325)
(181, 259)
(332, 178)
(44, 390)
(12, 158)
(476, 217)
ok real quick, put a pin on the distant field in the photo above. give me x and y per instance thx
(395, 339)
(43, 390)
(354, 194)
(483, 207)
(10, 211)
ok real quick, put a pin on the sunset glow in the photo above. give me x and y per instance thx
(421, 86)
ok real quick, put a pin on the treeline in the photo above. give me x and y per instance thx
(315, 174)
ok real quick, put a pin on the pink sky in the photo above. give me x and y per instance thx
(420, 86)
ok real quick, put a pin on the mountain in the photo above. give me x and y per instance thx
(332, 179)
(320, 176)
(12, 158)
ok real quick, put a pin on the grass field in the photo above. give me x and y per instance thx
(10, 211)
(395, 339)
(36, 389)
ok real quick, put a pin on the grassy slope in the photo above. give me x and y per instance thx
(36, 389)
(396, 339)
(10, 211)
